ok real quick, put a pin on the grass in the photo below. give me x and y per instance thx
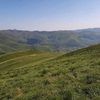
(51, 76)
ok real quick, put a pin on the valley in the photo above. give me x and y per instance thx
(47, 41)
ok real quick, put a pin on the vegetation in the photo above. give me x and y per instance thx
(51, 76)
(15, 40)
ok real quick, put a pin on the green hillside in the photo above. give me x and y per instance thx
(51, 76)
(16, 40)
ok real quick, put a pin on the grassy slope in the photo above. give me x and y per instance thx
(24, 58)
(72, 76)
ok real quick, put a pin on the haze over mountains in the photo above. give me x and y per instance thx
(16, 40)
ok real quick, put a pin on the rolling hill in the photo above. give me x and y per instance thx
(34, 75)
(16, 40)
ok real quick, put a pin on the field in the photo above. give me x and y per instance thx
(30, 75)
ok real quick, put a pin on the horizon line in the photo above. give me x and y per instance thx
(52, 30)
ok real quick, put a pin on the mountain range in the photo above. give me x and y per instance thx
(54, 41)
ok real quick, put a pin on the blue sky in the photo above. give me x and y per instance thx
(49, 14)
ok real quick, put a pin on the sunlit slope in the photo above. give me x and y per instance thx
(24, 58)
(71, 76)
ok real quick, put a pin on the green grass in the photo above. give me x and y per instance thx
(24, 58)
(51, 76)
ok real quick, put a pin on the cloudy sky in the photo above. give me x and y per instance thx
(49, 14)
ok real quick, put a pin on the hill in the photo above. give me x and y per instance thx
(16, 40)
(51, 76)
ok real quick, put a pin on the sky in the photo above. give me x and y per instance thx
(49, 14)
